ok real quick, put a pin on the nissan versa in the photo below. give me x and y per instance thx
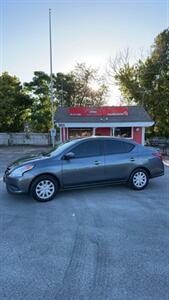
(84, 162)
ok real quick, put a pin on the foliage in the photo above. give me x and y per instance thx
(14, 104)
(85, 80)
(147, 83)
(29, 106)
(72, 89)
(77, 87)
(38, 90)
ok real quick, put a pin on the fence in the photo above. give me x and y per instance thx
(41, 139)
(161, 143)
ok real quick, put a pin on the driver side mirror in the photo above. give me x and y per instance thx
(69, 155)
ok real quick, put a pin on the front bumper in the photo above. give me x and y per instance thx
(18, 185)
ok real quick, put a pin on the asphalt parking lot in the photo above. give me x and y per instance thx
(107, 243)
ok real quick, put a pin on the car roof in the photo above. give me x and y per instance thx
(105, 138)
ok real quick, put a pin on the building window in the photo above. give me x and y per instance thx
(79, 132)
(125, 132)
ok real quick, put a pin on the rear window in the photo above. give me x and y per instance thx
(117, 147)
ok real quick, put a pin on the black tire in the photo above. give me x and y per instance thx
(144, 179)
(52, 187)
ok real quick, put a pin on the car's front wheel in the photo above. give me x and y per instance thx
(44, 188)
(139, 179)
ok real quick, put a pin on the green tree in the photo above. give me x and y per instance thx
(14, 104)
(39, 91)
(147, 83)
(81, 87)
(72, 89)
(90, 88)
(65, 89)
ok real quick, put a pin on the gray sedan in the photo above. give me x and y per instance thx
(84, 162)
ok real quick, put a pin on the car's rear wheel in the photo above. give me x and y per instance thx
(139, 179)
(44, 188)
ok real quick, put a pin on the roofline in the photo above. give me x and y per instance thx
(105, 124)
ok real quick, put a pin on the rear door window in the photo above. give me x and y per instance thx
(116, 147)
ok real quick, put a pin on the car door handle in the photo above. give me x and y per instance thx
(132, 159)
(97, 162)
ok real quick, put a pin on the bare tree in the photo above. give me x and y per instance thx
(116, 64)
(113, 67)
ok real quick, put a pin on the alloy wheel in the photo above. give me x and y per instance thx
(45, 189)
(139, 179)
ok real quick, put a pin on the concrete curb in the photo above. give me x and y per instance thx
(166, 163)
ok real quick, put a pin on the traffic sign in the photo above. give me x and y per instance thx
(53, 132)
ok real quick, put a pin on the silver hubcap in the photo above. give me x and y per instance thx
(45, 189)
(139, 179)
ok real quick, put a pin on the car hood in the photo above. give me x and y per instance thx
(27, 160)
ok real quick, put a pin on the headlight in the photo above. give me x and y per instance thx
(21, 170)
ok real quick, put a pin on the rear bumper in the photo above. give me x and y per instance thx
(157, 174)
(158, 170)
(156, 167)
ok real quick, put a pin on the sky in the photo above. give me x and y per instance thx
(82, 31)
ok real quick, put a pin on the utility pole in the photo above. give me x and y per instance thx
(52, 131)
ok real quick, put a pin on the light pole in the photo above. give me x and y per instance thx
(53, 131)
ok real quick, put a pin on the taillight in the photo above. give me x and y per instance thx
(157, 154)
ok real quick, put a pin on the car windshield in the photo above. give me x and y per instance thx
(59, 148)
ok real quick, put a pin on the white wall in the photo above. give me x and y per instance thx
(24, 139)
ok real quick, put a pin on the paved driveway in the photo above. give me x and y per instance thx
(107, 243)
